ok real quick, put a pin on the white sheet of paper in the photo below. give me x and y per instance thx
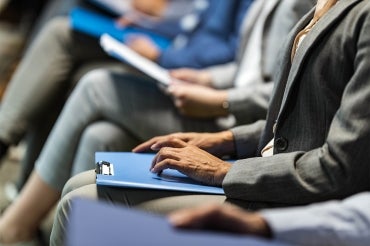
(121, 51)
(117, 6)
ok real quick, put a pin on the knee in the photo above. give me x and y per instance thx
(71, 185)
(60, 221)
(91, 87)
(78, 181)
(62, 214)
(57, 28)
(100, 136)
(98, 79)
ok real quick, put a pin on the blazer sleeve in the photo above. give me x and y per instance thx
(246, 138)
(336, 223)
(338, 168)
(250, 103)
(223, 75)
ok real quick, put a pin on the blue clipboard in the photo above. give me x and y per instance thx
(131, 170)
(95, 24)
(99, 223)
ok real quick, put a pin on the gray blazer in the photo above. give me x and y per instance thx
(250, 103)
(321, 115)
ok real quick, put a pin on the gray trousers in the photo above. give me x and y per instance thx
(106, 106)
(130, 108)
(38, 89)
(156, 201)
(44, 77)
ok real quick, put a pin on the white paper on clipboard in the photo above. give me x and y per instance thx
(122, 52)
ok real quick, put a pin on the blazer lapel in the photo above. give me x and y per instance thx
(249, 22)
(281, 81)
(334, 14)
(283, 73)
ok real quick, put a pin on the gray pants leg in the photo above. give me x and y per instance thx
(43, 77)
(156, 201)
(133, 103)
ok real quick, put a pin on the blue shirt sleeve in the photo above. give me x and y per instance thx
(215, 40)
(336, 223)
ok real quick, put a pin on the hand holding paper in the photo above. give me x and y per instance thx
(120, 51)
(198, 101)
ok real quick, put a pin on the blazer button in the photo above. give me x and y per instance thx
(281, 144)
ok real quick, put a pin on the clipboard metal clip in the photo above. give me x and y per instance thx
(104, 168)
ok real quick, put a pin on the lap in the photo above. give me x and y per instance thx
(157, 201)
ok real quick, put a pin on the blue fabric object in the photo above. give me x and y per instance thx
(214, 41)
(96, 24)
(99, 223)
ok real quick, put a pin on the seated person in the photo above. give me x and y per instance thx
(52, 77)
(313, 145)
(82, 126)
(336, 223)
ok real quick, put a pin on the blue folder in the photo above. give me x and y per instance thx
(98, 223)
(95, 24)
(131, 170)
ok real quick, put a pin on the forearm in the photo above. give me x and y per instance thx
(223, 75)
(296, 178)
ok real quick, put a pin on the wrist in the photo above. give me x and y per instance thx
(205, 78)
(258, 226)
(228, 145)
(263, 229)
(223, 104)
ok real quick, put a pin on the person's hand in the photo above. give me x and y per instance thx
(198, 101)
(151, 8)
(142, 10)
(228, 218)
(191, 161)
(201, 77)
(129, 19)
(218, 144)
(144, 46)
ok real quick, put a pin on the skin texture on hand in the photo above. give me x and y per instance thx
(218, 144)
(227, 218)
(191, 161)
(152, 7)
(183, 152)
(142, 9)
(198, 101)
(195, 76)
(144, 46)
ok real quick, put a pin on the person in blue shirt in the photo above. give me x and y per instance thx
(218, 30)
(335, 222)
(48, 74)
(70, 54)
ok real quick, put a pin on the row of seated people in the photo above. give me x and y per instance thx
(20, 21)
(311, 147)
(55, 76)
